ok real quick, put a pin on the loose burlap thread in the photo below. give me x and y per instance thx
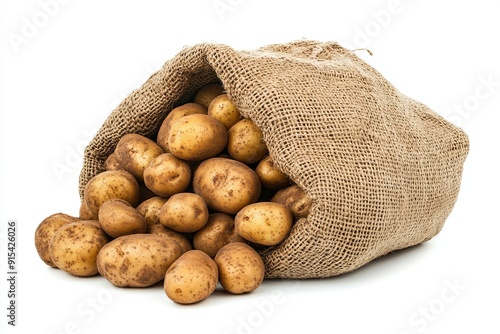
(383, 170)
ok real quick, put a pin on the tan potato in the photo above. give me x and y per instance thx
(167, 175)
(192, 278)
(295, 199)
(46, 231)
(226, 185)
(265, 223)
(118, 218)
(270, 176)
(174, 115)
(207, 93)
(112, 163)
(85, 213)
(197, 137)
(75, 246)
(108, 185)
(245, 142)
(241, 268)
(134, 153)
(218, 232)
(150, 209)
(166, 232)
(184, 212)
(137, 260)
(224, 110)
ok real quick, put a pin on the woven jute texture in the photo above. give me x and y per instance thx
(382, 169)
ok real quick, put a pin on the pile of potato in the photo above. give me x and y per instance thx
(191, 209)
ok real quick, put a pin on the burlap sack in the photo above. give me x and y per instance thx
(382, 169)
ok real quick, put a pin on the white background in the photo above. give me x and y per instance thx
(63, 75)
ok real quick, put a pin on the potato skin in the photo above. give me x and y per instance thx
(75, 246)
(207, 93)
(108, 185)
(197, 137)
(137, 260)
(226, 185)
(167, 175)
(112, 163)
(174, 115)
(270, 176)
(134, 153)
(241, 268)
(295, 199)
(264, 223)
(245, 142)
(192, 278)
(85, 213)
(181, 239)
(224, 110)
(218, 232)
(184, 212)
(46, 231)
(118, 218)
(150, 209)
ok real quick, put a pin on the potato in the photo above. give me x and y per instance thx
(265, 223)
(224, 110)
(46, 231)
(181, 239)
(75, 246)
(295, 199)
(241, 268)
(226, 185)
(218, 232)
(134, 153)
(150, 209)
(118, 218)
(85, 213)
(167, 175)
(192, 278)
(197, 137)
(108, 185)
(174, 115)
(112, 163)
(184, 212)
(270, 176)
(207, 93)
(245, 142)
(137, 260)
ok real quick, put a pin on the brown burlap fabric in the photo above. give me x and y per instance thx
(382, 169)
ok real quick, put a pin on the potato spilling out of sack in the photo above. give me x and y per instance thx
(294, 160)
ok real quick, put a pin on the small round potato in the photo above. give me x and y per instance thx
(167, 175)
(264, 223)
(85, 213)
(218, 232)
(134, 153)
(207, 93)
(108, 185)
(197, 137)
(137, 260)
(184, 212)
(270, 176)
(241, 268)
(118, 218)
(192, 278)
(46, 231)
(295, 199)
(166, 232)
(150, 209)
(75, 246)
(112, 163)
(226, 185)
(224, 110)
(245, 142)
(174, 115)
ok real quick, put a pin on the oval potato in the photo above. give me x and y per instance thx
(118, 218)
(150, 209)
(218, 232)
(295, 199)
(270, 176)
(167, 175)
(224, 110)
(137, 260)
(184, 212)
(207, 93)
(245, 142)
